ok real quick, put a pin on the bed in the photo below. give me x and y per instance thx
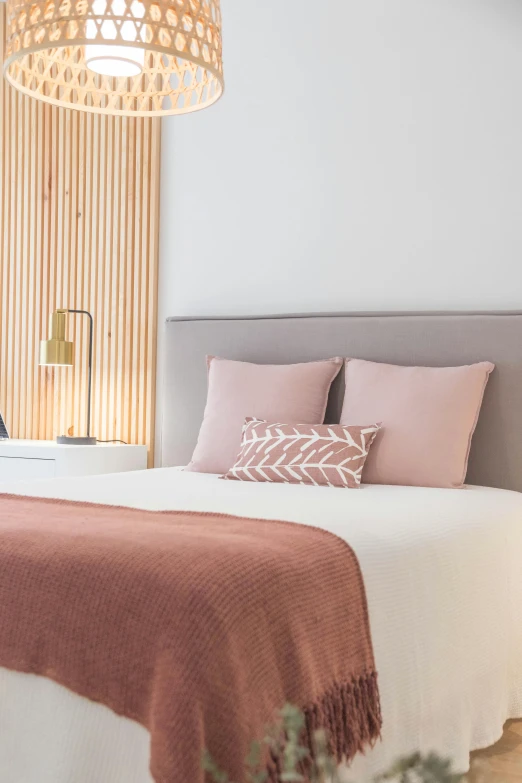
(441, 567)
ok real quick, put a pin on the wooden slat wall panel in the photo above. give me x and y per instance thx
(79, 216)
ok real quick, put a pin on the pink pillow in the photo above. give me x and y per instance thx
(428, 417)
(287, 392)
(321, 454)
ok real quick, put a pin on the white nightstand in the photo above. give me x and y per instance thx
(35, 459)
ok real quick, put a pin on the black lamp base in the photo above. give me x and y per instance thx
(65, 440)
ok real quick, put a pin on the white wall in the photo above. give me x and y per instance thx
(370, 157)
(366, 158)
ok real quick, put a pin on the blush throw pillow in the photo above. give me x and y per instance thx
(291, 393)
(428, 417)
(325, 454)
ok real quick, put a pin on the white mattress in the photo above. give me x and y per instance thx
(443, 577)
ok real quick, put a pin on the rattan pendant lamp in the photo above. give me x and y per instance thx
(124, 57)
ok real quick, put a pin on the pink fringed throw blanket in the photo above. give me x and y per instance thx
(198, 626)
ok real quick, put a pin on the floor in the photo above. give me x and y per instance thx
(501, 763)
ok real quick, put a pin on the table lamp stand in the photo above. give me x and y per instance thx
(58, 352)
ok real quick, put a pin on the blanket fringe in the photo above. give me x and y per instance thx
(351, 716)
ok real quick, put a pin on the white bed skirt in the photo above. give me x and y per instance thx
(443, 577)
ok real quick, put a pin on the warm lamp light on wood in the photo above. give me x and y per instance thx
(59, 352)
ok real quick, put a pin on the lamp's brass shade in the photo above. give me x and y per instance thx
(57, 350)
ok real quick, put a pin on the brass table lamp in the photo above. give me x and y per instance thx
(58, 352)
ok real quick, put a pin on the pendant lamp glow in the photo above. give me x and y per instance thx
(124, 57)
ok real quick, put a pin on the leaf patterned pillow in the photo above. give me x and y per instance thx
(331, 455)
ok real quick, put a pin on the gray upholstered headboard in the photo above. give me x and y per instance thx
(436, 339)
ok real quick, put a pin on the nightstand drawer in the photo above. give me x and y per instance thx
(44, 459)
(13, 468)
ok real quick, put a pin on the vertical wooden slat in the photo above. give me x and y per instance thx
(79, 215)
(3, 222)
(151, 307)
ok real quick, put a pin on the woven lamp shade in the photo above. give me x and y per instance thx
(66, 52)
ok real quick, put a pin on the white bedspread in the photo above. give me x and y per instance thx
(443, 576)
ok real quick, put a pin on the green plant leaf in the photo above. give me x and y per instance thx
(254, 757)
(208, 765)
(284, 740)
